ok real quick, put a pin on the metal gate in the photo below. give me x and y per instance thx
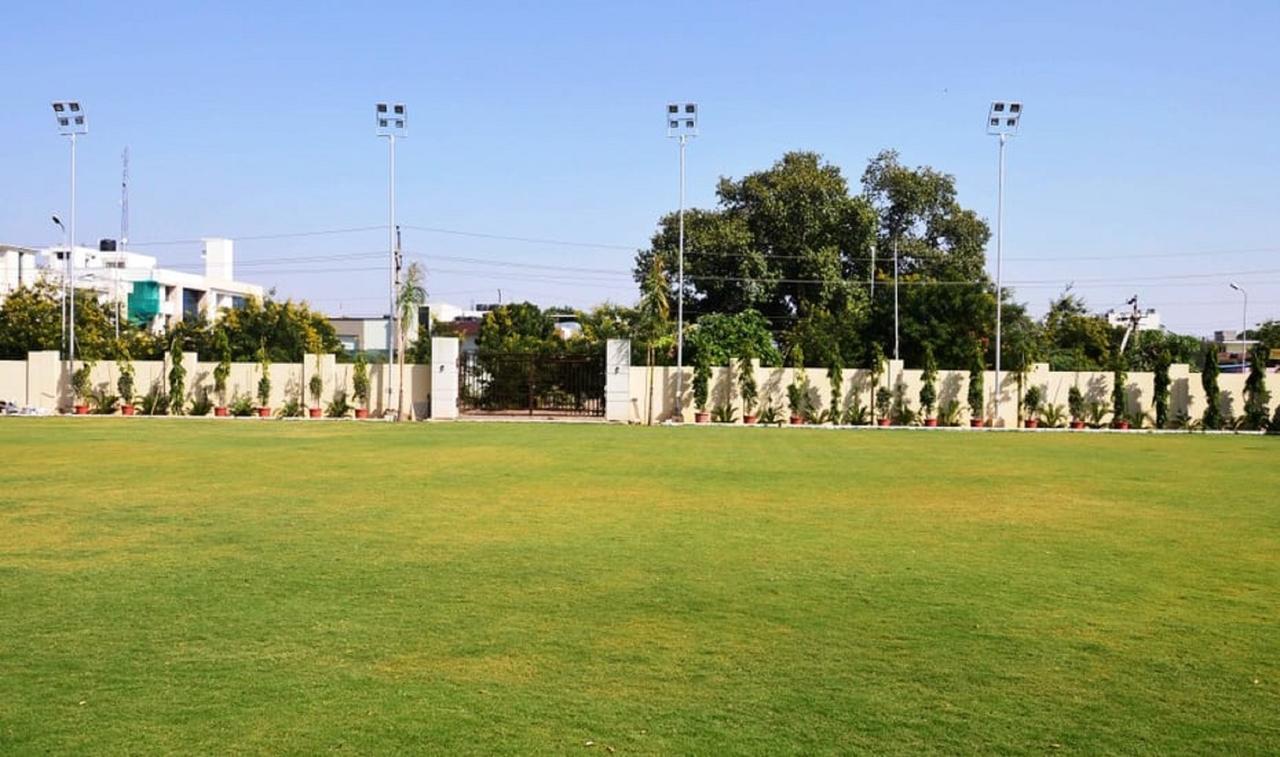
(530, 383)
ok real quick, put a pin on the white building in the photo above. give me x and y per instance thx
(1148, 320)
(148, 295)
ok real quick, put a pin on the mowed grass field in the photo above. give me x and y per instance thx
(202, 586)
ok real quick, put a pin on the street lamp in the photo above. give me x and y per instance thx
(1003, 119)
(1244, 323)
(391, 120)
(72, 122)
(682, 124)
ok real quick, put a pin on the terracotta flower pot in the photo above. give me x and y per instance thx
(749, 420)
(1033, 423)
(362, 412)
(882, 422)
(1123, 425)
(220, 412)
(931, 422)
(701, 417)
(1077, 425)
(975, 423)
(264, 412)
(126, 409)
(314, 412)
(797, 420)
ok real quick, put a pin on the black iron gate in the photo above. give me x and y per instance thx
(529, 383)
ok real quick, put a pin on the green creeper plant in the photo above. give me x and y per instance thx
(747, 383)
(1256, 396)
(1161, 388)
(360, 381)
(1119, 409)
(975, 395)
(177, 379)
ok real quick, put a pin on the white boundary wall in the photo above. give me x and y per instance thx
(1185, 392)
(39, 381)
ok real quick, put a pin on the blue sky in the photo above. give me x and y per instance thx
(1150, 129)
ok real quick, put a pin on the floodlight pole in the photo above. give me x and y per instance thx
(895, 299)
(393, 323)
(1004, 138)
(71, 265)
(680, 298)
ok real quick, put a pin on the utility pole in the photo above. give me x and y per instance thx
(682, 123)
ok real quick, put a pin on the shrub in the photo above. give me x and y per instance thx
(292, 408)
(101, 402)
(975, 397)
(124, 383)
(1256, 396)
(201, 402)
(1052, 415)
(360, 381)
(80, 381)
(747, 383)
(242, 406)
(1119, 408)
(724, 414)
(798, 396)
(1075, 403)
(1031, 401)
(949, 413)
(769, 415)
(1212, 417)
(884, 398)
(222, 371)
(338, 406)
(856, 414)
(929, 391)
(264, 383)
(1161, 387)
(316, 387)
(177, 378)
(155, 402)
(835, 375)
(903, 415)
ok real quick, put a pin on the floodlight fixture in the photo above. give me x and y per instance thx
(70, 117)
(391, 120)
(1004, 117)
(682, 120)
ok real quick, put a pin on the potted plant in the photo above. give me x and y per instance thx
(316, 387)
(701, 388)
(884, 398)
(798, 389)
(975, 390)
(124, 383)
(177, 378)
(1075, 405)
(835, 375)
(928, 390)
(80, 387)
(338, 406)
(747, 388)
(221, 372)
(1119, 414)
(1031, 403)
(264, 384)
(360, 386)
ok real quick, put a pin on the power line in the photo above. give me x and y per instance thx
(527, 240)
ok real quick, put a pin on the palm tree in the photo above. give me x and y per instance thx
(410, 297)
(655, 317)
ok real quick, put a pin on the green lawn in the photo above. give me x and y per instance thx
(179, 586)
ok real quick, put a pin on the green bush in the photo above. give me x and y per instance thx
(242, 406)
(884, 398)
(928, 390)
(338, 406)
(201, 403)
(1075, 403)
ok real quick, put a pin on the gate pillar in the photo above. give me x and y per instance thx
(444, 377)
(617, 381)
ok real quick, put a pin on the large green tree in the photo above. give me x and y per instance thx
(31, 321)
(517, 327)
(783, 241)
(284, 328)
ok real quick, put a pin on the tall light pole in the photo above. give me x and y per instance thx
(392, 120)
(1003, 120)
(72, 122)
(1244, 323)
(682, 124)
